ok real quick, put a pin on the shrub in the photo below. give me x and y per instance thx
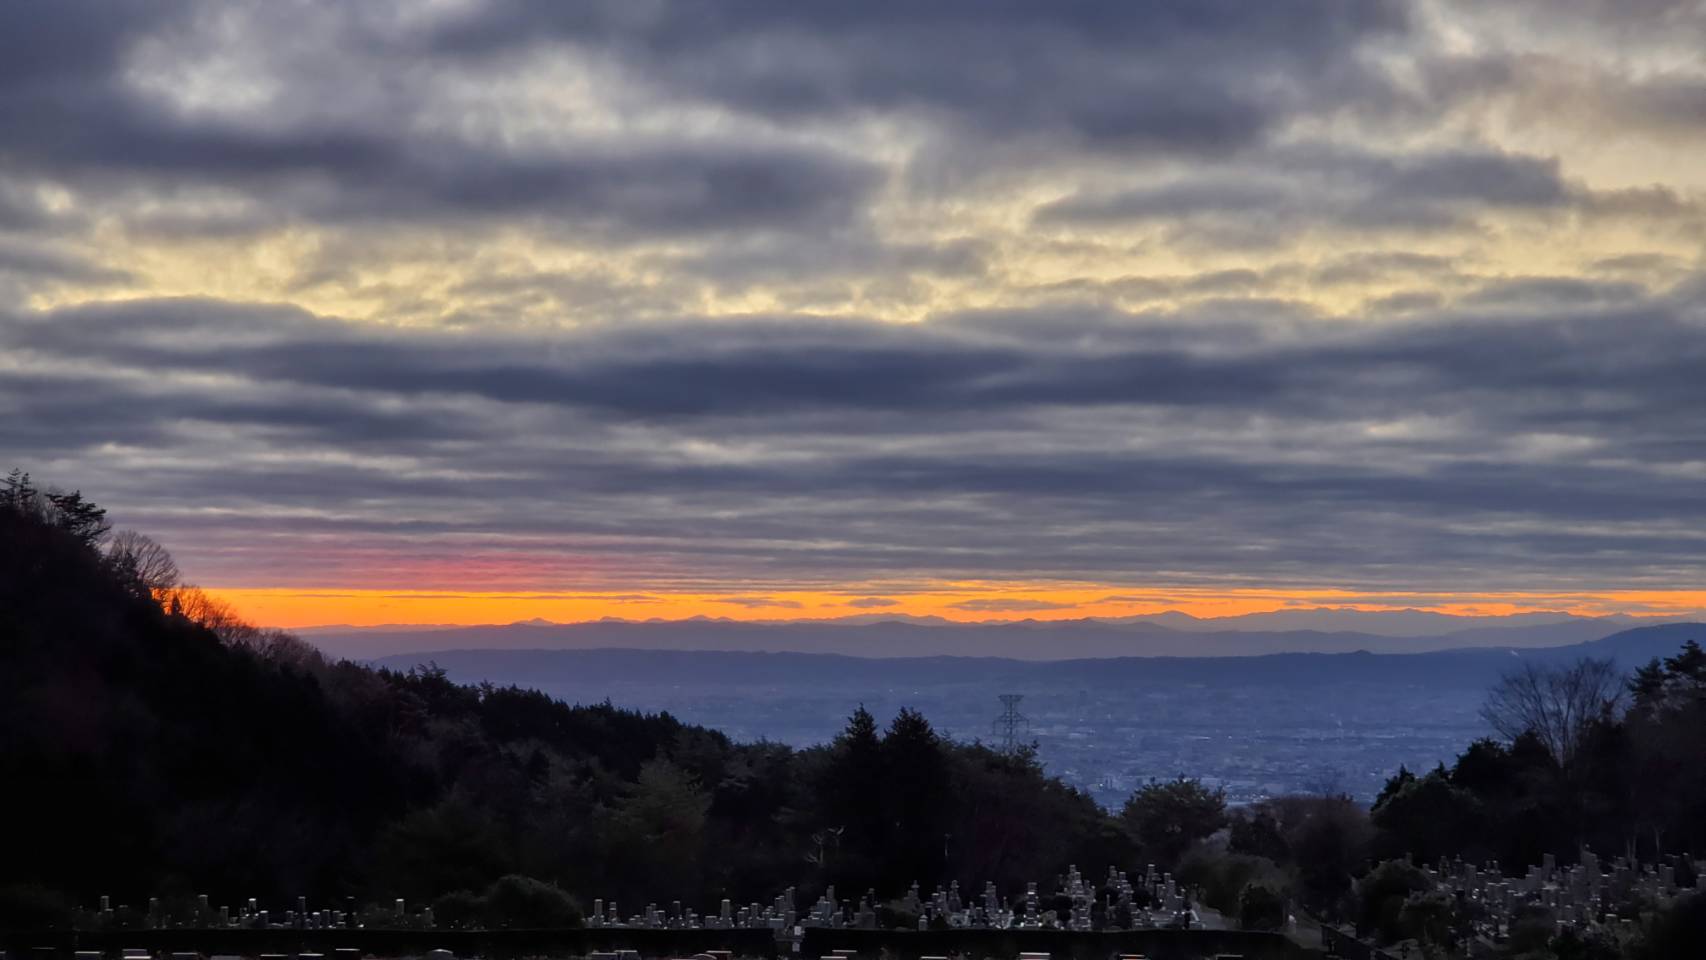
(1260, 908)
(518, 901)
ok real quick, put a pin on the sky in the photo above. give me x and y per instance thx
(458, 312)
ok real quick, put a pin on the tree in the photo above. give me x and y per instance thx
(1601, 944)
(1394, 784)
(142, 564)
(17, 494)
(1328, 838)
(915, 803)
(1677, 931)
(518, 901)
(79, 517)
(1431, 918)
(667, 808)
(1257, 832)
(1260, 908)
(852, 779)
(452, 845)
(1382, 896)
(658, 833)
(847, 793)
(1530, 932)
(1558, 705)
(69, 512)
(1667, 733)
(1167, 817)
(1673, 684)
(1222, 878)
(861, 733)
(1428, 818)
(193, 604)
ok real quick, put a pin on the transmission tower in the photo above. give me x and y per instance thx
(1011, 722)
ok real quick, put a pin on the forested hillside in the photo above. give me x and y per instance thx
(151, 744)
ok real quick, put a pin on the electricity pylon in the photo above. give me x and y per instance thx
(1011, 721)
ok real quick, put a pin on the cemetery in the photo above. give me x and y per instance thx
(1155, 901)
(1149, 916)
(1587, 896)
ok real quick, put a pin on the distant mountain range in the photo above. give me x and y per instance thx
(1461, 668)
(889, 636)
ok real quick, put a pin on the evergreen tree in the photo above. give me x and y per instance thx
(1167, 817)
(916, 801)
(79, 517)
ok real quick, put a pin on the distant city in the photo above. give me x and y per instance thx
(1254, 742)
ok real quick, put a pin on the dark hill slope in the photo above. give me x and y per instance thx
(134, 746)
(142, 755)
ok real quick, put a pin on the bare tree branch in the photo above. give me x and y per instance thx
(143, 563)
(1557, 705)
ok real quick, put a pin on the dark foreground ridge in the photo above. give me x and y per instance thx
(151, 753)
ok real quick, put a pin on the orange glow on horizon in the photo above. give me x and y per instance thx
(292, 608)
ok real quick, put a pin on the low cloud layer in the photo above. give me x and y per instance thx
(1539, 445)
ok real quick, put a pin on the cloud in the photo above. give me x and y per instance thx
(1500, 442)
(753, 603)
(78, 106)
(871, 603)
(1341, 189)
(1171, 76)
(667, 297)
(1504, 433)
(1008, 605)
(973, 363)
